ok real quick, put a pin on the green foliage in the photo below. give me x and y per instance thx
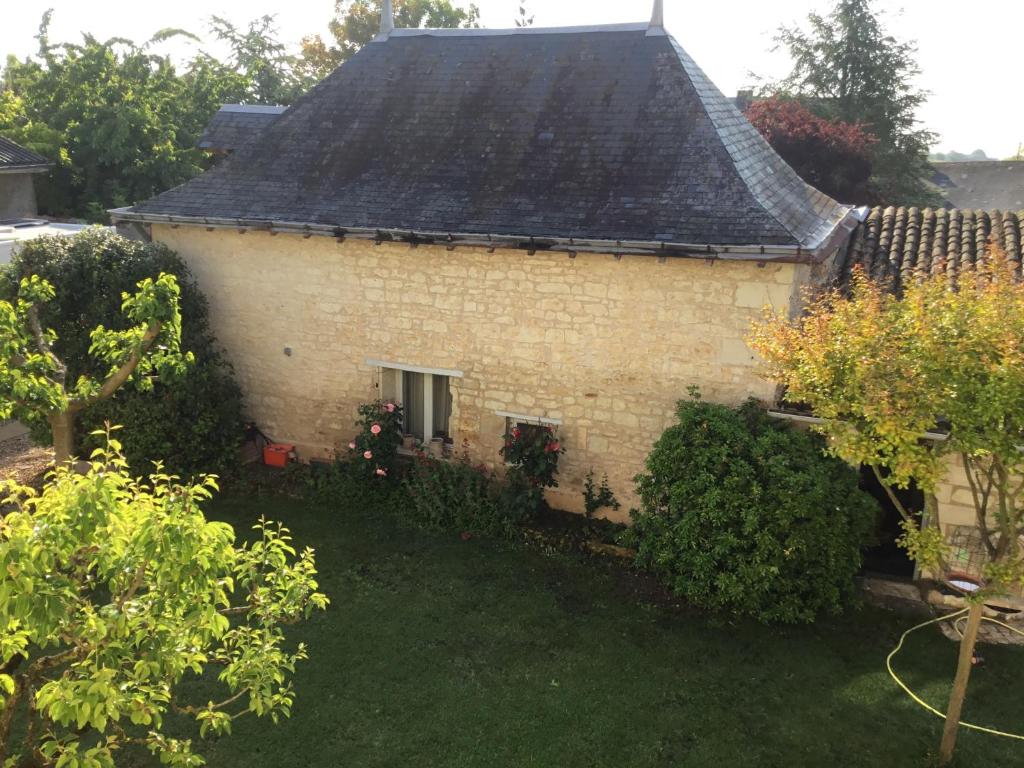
(597, 497)
(357, 22)
(534, 451)
(458, 496)
(744, 514)
(847, 67)
(193, 421)
(271, 75)
(881, 371)
(121, 121)
(374, 449)
(113, 591)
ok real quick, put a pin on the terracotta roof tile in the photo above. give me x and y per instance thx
(899, 245)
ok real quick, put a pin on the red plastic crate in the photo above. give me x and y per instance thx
(277, 454)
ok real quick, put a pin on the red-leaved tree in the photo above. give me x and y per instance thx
(830, 155)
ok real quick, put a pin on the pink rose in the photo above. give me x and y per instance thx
(375, 429)
(389, 407)
(367, 454)
(351, 446)
(381, 472)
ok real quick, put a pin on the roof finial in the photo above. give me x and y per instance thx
(658, 15)
(387, 19)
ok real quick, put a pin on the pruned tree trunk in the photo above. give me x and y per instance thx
(963, 673)
(62, 425)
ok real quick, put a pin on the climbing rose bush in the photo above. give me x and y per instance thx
(534, 452)
(374, 450)
(743, 513)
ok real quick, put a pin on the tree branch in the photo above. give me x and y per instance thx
(980, 502)
(44, 346)
(892, 495)
(122, 374)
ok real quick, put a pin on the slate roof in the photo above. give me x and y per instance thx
(898, 244)
(234, 124)
(984, 184)
(603, 134)
(14, 157)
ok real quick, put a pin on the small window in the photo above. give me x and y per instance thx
(528, 431)
(426, 401)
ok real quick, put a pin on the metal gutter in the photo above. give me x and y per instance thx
(765, 253)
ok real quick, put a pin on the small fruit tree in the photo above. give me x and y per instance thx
(882, 370)
(112, 592)
(34, 381)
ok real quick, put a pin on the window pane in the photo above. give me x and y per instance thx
(412, 403)
(442, 406)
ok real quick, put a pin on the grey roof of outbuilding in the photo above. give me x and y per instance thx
(603, 134)
(234, 124)
(14, 157)
(981, 184)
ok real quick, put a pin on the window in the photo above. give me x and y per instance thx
(426, 400)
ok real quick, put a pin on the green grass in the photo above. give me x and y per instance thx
(441, 652)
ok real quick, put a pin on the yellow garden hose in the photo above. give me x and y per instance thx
(955, 618)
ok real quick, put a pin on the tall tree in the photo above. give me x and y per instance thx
(121, 121)
(271, 74)
(357, 22)
(882, 371)
(847, 67)
(830, 155)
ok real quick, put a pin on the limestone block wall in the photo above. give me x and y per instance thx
(956, 505)
(606, 346)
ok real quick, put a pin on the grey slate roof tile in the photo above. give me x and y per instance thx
(591, 134)
(234, 124)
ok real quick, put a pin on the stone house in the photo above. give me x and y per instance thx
(18, 167)
(566, 227)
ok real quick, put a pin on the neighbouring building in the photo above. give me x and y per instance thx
(980, 184)
(18, 167)
(566, 227)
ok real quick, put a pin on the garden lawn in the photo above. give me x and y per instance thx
(442, 652)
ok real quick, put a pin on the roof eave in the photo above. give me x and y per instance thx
(752, 252)
(30, 168)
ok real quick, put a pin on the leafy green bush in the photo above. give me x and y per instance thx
(193, 424)
(458, 496)
(743, 513)
(596, 496)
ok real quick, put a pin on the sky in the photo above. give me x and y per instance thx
(969, 52)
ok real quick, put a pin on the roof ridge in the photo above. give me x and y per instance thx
(501, 31)
(741, 140)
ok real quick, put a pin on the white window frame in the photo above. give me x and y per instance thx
(428, 386)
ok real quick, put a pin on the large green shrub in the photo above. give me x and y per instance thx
(743, 513)
(193, 424)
